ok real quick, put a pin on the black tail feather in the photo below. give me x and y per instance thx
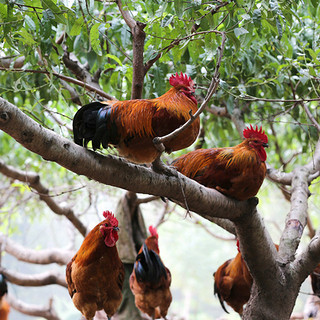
(149, 267)
(3, 285)
(92, 123)
(216, 292)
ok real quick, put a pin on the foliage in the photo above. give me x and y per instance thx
(270, 62)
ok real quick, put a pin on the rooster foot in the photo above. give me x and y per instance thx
(159, 167)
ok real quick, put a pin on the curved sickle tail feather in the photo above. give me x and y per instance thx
(92, 122)
(149, 267)
(216, 292)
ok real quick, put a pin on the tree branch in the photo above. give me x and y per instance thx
(46, 256)
(115, 172)
(33, 180)
(36, 280)
(279, 176)
(297, 217)
(138, 37)
(47, 312)
(307, 260)
(258, 249)
(310, 116)
(67, 79)
(80, 71)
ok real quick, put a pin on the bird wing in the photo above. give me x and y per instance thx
(210, 167)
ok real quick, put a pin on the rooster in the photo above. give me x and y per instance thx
(237, 172)
(4, 306)
(150, 279)
(132, 125)
(232, 283)
(95, 274)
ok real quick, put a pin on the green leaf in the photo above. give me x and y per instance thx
(114, 58)
(26, 37)
(239, 31)
(30, 23)
(49, 4)
(234, 40)
(279, 27)
(178, 6)
(314, 56)
(94, 39)
(76, 28)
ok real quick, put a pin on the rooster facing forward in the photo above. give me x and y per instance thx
(95, 274)
(150, 279)
(237, 172)
(131, 125)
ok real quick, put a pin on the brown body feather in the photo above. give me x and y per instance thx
(232, 283)
(4, 309)
(237, 171)
(132, 125)
(152, 297)
(95, 276)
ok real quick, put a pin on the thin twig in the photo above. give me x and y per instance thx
(310, 116)
(63, 77)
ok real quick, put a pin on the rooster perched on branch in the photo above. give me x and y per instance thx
(95, 274)
(4, 306)
(237, 172)
(150, 279)
(132, 125)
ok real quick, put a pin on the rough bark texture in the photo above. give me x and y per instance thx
(131, 237)
(277, 276)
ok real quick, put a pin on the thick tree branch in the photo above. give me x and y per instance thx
(46, 256)
(36, 280)
(47, 312)
(258, 249)
(297, 217)
(138, 37)
(33, 180)
(112, 171)
(305, 262)
(279, 176)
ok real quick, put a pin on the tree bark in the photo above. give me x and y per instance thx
(275, 280)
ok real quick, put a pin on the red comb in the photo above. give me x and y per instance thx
(238, 245)
(153, 232)
(256, 133)
(181, 80)
(112, 219)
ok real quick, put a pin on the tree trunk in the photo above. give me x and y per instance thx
(131, 236)
(276, 304)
